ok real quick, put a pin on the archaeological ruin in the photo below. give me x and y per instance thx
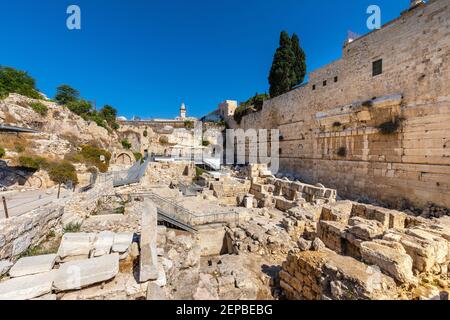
(359, 208)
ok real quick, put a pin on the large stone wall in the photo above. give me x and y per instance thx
(331, 134)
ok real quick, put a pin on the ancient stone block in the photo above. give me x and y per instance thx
(76, 244)
(32, 265)
(391, 258)
(103, 243)
(27, 287)
(122, 242)
(148, 257)
(78, 274)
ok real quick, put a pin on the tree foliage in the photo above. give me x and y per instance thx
(288, 66)
(63, 172)
(16, 81)
(300, 61)
(65, 94)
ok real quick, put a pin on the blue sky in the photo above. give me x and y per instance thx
(145, 57)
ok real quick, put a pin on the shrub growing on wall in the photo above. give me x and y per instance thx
(2, 152)
(126, 144)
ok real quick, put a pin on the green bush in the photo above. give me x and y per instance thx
(16, 81)
(138, 156)
(80, 107)
(72, 227)
(205, 143)
(63, 172)
(39, 108)
(91, 155)
(145, 133)
(126, 144)
(2, 152)
(33, 163)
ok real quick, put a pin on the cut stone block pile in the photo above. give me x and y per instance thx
(83, 259)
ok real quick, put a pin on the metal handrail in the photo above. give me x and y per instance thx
(173, 209)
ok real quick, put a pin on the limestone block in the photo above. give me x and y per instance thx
(82, 273)
(28, 287)
(4, 267)
(438, 244)
(33, 265)
(149, 256)
(103, 243)
(122, 242)
(390, 258)
(365, 229)
(76, 244)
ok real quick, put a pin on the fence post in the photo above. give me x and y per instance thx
(5, 207)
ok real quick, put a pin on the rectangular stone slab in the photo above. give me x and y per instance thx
(122, 241)
(76, 244)
(78, 274)
(28, 287)
(33, 265)
(148, 255)
(103, 243)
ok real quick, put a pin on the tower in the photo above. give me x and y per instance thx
(183, 111)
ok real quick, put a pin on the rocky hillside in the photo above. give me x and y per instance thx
(62, 135)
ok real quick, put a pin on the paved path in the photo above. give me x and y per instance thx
(19, 203)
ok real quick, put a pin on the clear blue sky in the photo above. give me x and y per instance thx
(145, 57)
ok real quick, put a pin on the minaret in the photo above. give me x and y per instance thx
(183, 111)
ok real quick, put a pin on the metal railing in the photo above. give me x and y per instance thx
(184, 216)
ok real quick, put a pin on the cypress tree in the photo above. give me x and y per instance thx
(300, 61)
(282, 72)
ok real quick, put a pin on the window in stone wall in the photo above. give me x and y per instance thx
(377, 67)
(335, 79)
(325, 83)
(314, 87)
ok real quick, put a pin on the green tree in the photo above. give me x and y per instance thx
(66, 94)
(300, 61)
(16, 81)
(282, 72)
(63, 172)
(109, 113)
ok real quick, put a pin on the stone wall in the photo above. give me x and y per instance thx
(325, 275)
(331, 133)
(17, 234)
